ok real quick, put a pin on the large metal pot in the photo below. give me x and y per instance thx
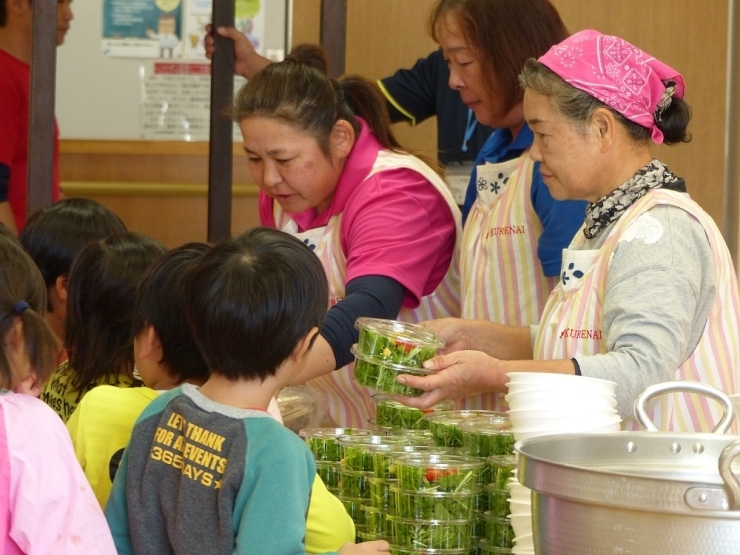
(635, 493)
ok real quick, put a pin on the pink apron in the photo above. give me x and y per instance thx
(349, 404)
(501, 275)
(572, 321)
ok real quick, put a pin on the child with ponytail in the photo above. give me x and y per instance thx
(46, 504)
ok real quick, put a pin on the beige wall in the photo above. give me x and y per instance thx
(383, 35)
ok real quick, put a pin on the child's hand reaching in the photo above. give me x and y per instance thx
(365, 548)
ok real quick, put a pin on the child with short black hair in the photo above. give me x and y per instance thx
(102, 292)
(54, 235)
(46, 505)
(207, 469)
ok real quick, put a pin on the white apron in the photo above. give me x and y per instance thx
(501, 275)
(572, 321)
(349, 404)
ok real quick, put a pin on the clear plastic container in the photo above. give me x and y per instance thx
(398, 550)
(381, 375)
(381, 496)
(434, 534)
(498, 501)
(357, 451)
(376, 520)
(368, 536)
(415, 437)
(323, 441)
(485, 549)
(499, 532)
(383, 460)
(484, 436)
(438, 472)
(354, 484)
(396, 342)
(433, 505)
(353, 506)
(391, 413)
(445, 425)
(501, 469)
(329, 474)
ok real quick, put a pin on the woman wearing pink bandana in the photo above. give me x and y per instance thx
(648, 291)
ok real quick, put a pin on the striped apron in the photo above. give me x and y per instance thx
(572, 322)
(349, 404)
(501, 275)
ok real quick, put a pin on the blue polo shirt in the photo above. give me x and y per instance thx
(560, 220)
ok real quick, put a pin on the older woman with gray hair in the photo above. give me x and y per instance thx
(647, 291)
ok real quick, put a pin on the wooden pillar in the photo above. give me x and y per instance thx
(220, 161)
(41, 109)
(333, 35)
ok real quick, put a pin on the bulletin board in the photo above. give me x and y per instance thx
(112, 86)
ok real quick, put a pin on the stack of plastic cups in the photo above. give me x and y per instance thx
(356, 472)
(434, 503)
(391, 414)
(382, 499)
(544, 404)
(445, 425)
(483, 437)
(388, 348)
(326, 451)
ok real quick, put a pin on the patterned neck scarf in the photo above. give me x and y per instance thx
(610, 208)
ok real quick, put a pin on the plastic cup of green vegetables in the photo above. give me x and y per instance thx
(414, 437)
(499, 532)
(434, 534)
(398, 550)
(500, 469)
(376, 521)
(383, 460)
(498, 500)
(445, 425)
(396, 342)
(391, 413)
(323, 441)
(482, 501)
(329, 474)
(353, 506)
(381, 496)
(438, 472)
(484, 548)
(354, 484)
(433, 505)
(369, 536)
(485, 436)
(357, 451)
(381, 375)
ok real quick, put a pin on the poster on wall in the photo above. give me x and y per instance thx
(176, 100)
(169, 29)
(142, 28)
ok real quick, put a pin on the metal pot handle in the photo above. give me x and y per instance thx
(731, 482)
(680, 385)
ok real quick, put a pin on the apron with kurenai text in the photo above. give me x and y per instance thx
(501, 275)
(572, 321)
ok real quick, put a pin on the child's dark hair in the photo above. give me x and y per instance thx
(160, 303)
(251, 300)
(55, 234)
(102, 293)
(298, 92)
(20, 285)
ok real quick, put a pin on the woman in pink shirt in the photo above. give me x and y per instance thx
(382, 221)
(46, 504)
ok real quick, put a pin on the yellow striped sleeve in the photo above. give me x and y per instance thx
(395, 104)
